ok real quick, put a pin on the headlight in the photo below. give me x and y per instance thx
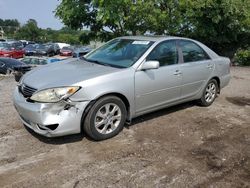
(54, 94)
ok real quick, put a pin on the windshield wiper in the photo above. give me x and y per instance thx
(93, 61)
(100, 63)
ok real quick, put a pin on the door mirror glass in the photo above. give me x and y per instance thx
(150, 65)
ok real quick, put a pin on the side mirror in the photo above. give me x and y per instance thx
(150, 65)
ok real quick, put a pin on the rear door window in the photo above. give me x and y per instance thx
(192, 52)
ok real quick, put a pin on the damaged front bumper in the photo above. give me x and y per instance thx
(50, 119)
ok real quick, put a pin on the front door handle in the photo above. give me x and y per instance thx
(177, 72)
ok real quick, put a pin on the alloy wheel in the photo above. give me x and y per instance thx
(210, 92)
(107, 118)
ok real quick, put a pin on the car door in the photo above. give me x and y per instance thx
(14, 51)
(19, 48)
(157, 87)
(196, 67)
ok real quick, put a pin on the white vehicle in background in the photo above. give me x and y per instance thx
(61, 45)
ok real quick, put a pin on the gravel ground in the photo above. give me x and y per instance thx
(182, 146)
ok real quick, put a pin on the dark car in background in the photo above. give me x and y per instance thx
(45, 50)
(30, 49)
(35, 61)
(32, 62)
(7, 65)
(67, 51)
(25, 42)
(81, 51)
(55, 47)
(12, 49)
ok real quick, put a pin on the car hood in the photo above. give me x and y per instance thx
(4, 51)
(65, 73)
(29, 50)
(41, 50)
(66, 50)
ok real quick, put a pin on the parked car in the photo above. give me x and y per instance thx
(31, 63)
(123, 79)
(19, 71)
(67, 51)
(30, 49)
(16, 44)
(11, 49)
(81, 51)
(7, 65)
(45, 50)
(61, 45)
(35, 61)
(25, 42)
(56, 48)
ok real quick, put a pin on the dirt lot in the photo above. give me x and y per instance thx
(182, 146)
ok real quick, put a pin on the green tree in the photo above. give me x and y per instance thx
(221, 24)
(29, 31)
(10, 26)
(224, 25)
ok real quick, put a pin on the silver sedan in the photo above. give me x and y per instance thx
(123, 79)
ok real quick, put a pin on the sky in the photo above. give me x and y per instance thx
(23, 10)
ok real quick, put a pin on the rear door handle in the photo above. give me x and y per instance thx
(210, 66)
(177, 72)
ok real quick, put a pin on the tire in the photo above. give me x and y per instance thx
(18, 77)
(8, 72)
(209, 93)
(105, 119)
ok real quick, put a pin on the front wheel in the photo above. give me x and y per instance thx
(8, 72)
(106, 118)
(209, 93)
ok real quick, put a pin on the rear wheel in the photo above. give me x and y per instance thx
(209, 93)
(106, 118)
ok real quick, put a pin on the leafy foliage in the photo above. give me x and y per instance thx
(218, 23)
(242, 57)
(29, 31)
(9, 26)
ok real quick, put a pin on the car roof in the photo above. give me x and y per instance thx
(35, 57)
(40, 57)
(9, 60)
(154, 38)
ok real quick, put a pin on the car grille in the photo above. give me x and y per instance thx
(26, 90)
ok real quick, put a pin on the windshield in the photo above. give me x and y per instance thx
(67, 48)
(4, 46)
(42, 47)
(121, 53)
(34, 61)
(30, 46)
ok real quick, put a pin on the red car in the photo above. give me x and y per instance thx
(11, 49)
(66, 51)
